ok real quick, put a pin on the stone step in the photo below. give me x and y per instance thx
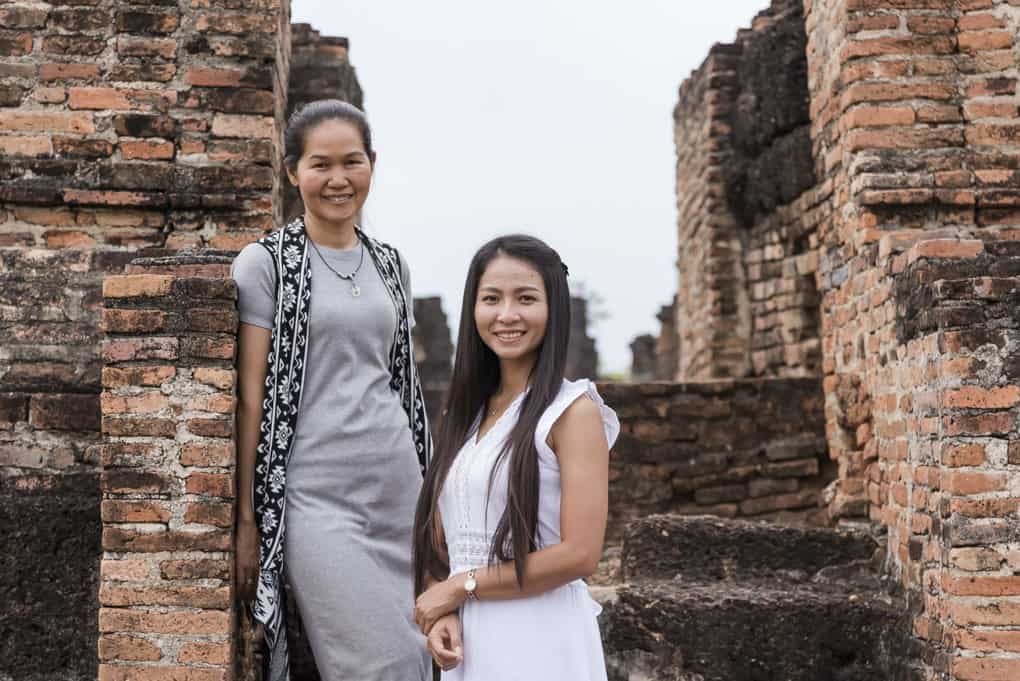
(708, 548)
(718, 631)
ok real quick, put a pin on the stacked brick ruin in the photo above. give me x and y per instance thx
(889, 270)
(128, 129)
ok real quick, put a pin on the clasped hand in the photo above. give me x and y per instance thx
(440, 599)
(435, 613)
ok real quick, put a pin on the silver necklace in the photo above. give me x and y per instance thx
(355, 289)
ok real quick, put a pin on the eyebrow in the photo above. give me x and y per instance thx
(516, 290)
(324, 157)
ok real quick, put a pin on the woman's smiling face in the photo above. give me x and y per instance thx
(511, 308)
(334, 173)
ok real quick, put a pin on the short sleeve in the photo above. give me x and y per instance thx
(405, 281)
(571, 391)
(256, 286)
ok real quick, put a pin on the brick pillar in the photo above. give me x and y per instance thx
(166, 600)
(712, 305)
(914, 110)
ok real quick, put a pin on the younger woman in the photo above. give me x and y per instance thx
(512, 514)
(331, 428)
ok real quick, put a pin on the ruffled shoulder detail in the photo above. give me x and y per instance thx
(568, 394)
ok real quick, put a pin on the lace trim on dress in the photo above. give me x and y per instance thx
(470, 549)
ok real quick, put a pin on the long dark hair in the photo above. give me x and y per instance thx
(476, 376)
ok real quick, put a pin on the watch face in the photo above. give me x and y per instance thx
(470, 584)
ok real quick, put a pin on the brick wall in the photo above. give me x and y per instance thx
(752, 447)
(914, 113)
(891, 273)
(166, 594)
(747, 302)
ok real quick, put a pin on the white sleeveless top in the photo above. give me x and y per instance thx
(468, 521)
(552, 636)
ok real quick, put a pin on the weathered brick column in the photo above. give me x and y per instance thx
(167, 608)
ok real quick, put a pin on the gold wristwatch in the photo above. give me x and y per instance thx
(470, 584)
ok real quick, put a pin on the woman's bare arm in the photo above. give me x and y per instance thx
(580, 444)
(253, 349)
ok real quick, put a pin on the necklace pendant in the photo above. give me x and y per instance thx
(355, 290)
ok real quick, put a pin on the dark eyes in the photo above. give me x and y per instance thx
(526, 298)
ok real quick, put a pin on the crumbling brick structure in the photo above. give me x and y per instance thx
(848, 190)
(128, 129)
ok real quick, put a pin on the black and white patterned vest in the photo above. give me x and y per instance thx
(281, 407)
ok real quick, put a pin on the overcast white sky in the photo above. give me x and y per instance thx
(550, 117)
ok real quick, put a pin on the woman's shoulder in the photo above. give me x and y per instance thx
(569, 408)
(255, 257)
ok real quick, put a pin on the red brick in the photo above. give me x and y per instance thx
(966, 454)
(137, 285)
(878, 116)
(966, 483)
(985, 508)
(139, 427)
(125, 570)
(113, 198)
(50, 95)
(68, 239)
(212, 320)
(133, 320)
(218, 347)
(114, 454)
(994, 585)
(984, 669)
(998, 612)
(880, 22)
(989, 134)
(127, 349)
(976, 22)
(974, 397)
(46, 121)
(974, 41)
(216, 514)
(217, 403)
(180, 622)
(68, 71)
(212, 77)
(149, 402)
(148, 21)
(978, 110)
(64, 45)
(64, 412)
(195, 569)
(146, 47)
(237, 24)
(898, 45)
(989, 423)
(128, 481)
(207, 454)
(218, 378)
(23, 17)
(75, 147)
(134, 511)
(25, 145)
(210, 484)
(121, 648)
(248, 127)
(988, 641)
(930, 25)
(188, 596)
(15, 44)
(120, 539)
(205, 653)
(127, 672)
(116, 377)
(146, 149)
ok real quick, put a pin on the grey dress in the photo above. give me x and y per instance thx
(353, 476)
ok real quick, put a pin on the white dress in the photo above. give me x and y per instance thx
(550, 637)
